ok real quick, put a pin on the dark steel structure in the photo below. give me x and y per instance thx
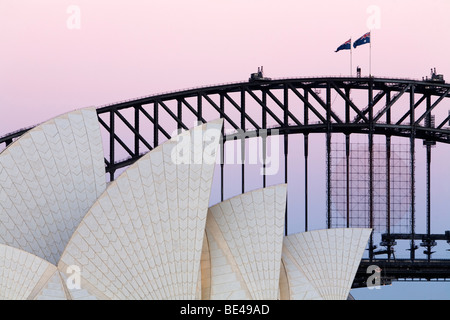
(411, 109)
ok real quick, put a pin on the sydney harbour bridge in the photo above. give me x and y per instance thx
(375, 188)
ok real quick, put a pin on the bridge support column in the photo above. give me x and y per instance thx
(111, 143)
(264, 137)
(347, 179)
(306, 154)
(136, 127)
(412, 164)
(286, 149)
(371, 194)
(328, 142)
(243, 139)
(428, 243)
(347, 157)
(388, 192)
(222, 149)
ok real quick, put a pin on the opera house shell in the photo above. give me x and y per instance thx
(150, 234)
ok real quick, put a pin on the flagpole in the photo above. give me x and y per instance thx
(351, 59)
(370, 55)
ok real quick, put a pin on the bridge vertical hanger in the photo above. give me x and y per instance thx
(389, 245)
(347, 179)
(286, 148)
(306, 153)
(179, 114)
(412, 156)
(243, 138)
(328, 105)
(155, 124)
(306, 147)
(222, 147)
(264, 137)
(371, 193)
(428, 146)
(111, 143)
(136, 127)
(427, 242)
(347, 157)
(199, 109)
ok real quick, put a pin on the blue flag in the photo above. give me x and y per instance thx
(345, 46)
(363, 40)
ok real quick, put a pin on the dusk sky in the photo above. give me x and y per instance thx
(58, 55)
(52, 63)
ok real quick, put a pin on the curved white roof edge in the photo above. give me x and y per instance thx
(321, 264)
(49, 178)
(23, 274)
(244, 244)
(150, 234)
(143, 237)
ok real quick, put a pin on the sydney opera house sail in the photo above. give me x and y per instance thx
(49, 178)
(150, 233)
(21, 272)
(245, 236)
(321, 264)
(143, 237)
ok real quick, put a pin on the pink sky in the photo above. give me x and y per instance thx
(125, 50)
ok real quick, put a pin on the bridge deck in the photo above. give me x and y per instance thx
(398, 270)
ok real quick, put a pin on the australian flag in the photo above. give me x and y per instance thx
(344, 46)
(363, 40)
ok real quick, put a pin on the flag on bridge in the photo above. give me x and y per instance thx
(363, 40)
(347, 46)
(344, 46)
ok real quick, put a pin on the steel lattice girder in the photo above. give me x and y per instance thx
(293, 85)
(309, 100)
(328, 119)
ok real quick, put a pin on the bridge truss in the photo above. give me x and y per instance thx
(346, 106)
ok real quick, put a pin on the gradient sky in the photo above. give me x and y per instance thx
(126, 49)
